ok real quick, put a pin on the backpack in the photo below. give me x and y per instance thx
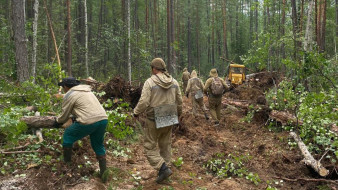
(216, 86)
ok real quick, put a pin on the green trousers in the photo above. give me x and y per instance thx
(157, 144)
(95, 130)
(215, 105)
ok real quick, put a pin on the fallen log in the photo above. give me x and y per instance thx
(308, 158)
(42, 121)
(284, 117)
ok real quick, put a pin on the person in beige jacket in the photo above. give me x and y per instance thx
(195, 89)
(160, 90)
(89, 119)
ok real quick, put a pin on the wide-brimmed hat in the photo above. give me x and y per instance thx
(213, 73)
(69, 82)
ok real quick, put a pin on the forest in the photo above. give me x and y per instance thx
(278, 129)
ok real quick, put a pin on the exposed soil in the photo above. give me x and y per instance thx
(196, 141)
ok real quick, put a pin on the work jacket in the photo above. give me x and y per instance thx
(83, 104)
(159, 89)
(194, 84)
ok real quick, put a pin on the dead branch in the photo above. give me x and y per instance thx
(20, 152)
(307, 179)
(308, 158)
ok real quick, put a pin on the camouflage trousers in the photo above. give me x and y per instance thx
(215, 105)
(157, 144)
(197, 103)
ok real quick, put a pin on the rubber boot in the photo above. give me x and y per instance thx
(206, 116)
(164, 173)
(67, 154)
(102, 164)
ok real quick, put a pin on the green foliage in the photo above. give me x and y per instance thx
(285, 97)
(179, 162)
(118, 150)
(317, 112)
(232, 165)
(117, 120)
(10, 124)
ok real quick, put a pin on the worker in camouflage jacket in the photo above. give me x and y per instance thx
(185, 78)
(159, 91)
(195, 89)
(89, 118)
(215, 87)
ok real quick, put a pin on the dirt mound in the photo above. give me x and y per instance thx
(254, 88)
(117, 87)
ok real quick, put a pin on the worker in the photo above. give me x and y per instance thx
(195, 89)
(89, 119)
(215, 87)
(160, 93)
(185, 78)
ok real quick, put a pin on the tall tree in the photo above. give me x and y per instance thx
(321, 23)
(308, 31)
(35, 31)
(295, 27)
(225, 47)
(172, 37)
(129, 55)
(69, 42)
(21, 56)
(86, 36)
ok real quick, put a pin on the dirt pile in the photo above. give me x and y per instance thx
(115, 89)
(254, 88)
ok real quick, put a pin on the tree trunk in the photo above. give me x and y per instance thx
(53, 37)
(172, 38)
(283, 29)
(21, 55)
(294, 30)
(225, 46)
(168, 37)
(35, 30)
(129, 55)
(308, 158)
(308, 31)
(42, 121)
(189, 39)
(86, 36)
(69, 43)
(256, 16)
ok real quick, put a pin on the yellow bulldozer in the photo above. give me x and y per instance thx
(236, 74)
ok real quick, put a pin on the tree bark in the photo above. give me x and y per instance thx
(35, 30)
(295, 28)
(308, 158)
(172, 38)
(225, 46)
(69, 42)
(168, 38)
(129, 55)
(42, 121)
(86, 36)
(308, 31)
(189, 39)
(21, 55)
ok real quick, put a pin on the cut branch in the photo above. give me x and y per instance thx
(308, 158)
(306, 179)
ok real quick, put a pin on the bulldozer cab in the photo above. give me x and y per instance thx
(236, 74)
